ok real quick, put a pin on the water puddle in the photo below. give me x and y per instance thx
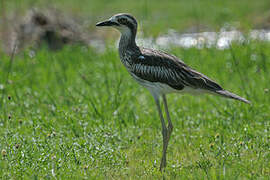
(220, 40)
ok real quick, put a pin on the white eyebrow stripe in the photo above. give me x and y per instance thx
(113, 18)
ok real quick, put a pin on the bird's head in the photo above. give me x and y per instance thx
(123, 22)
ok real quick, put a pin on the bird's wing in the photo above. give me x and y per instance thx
(157, 66)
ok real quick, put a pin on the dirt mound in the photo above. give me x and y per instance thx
(50, 27)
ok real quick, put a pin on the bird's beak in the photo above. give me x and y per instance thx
(107, 23)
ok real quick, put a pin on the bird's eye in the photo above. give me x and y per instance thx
(122, 20)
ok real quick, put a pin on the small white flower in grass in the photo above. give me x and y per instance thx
(115, 113)
(53, 108)
(53, 157)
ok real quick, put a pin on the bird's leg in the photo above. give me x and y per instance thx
(167, 136)
(170, 125)
(164, 135)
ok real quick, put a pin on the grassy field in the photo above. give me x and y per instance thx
(77, 114)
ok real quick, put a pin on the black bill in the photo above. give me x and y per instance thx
(107, 23)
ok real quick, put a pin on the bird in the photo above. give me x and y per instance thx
(161, 73)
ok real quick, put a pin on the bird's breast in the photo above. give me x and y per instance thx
(126, 59)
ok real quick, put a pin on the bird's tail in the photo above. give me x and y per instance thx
(228, 94)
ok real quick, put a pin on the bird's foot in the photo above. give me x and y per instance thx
(162, 164)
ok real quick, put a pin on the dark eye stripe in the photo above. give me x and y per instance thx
(129, 16)
(114, 23)
(129, 24)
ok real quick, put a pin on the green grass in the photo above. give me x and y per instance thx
(77, 114)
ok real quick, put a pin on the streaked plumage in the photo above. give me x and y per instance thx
(156, 66)
(160, 72)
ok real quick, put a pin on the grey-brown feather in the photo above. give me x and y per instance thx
(157, 66)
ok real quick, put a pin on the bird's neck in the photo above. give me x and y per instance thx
(127, 41)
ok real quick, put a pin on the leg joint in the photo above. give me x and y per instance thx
(170, 127)
(164, 132)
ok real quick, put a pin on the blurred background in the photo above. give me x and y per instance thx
(73, 21)
(70, 110)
